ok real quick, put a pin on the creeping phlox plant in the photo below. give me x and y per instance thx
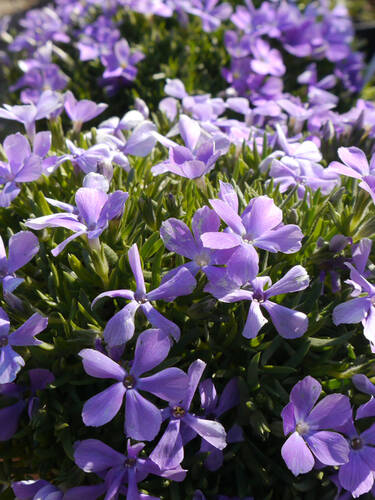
(187, 217)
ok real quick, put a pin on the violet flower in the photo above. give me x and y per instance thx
(178, 238)
(169, 452)
(142, 418)
(266, 61)
(195, 159)
(10, 361)
(363, 384)
(28, 114)
(357, 475)
(121, 63)
(120, 328)
(209, 12)
(260, 225)
(81, 111)
(90, 217)
(22, 166)
(239, 281)
(92, 455)
(359, 309)
(308, 423)
(215, 406)
(22, 247)
(88, 160)
(355, 165)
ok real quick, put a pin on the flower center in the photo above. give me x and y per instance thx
(178, 411)
(258, 296)
(3, 340)
(130, 462)
(129, 382)
(202, 260)
(356, 443)
(140, 298)
(302, 428)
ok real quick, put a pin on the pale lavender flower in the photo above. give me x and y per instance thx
(22, 166)
(142, 418)
(22, 247)
(169, 452)
(359, 309)
(239, 281)
(10, 361)
(259, 225)
(121, 63)
(81, 111)
(308, 426)
(120, 328)
(266, 61)
(209, 12)
(94, 209)
(88, 160)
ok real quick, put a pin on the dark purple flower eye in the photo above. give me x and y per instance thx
(129, 382)
(356, 443)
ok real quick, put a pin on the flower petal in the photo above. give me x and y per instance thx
(296, 455)
(289, 323)
(213, 432)
(103, 407)
(254, 322)
(142, 418)
(90, 203)
(152, 348)
(355, 476)
(24, 335)
(91, 455)
(136, 267)
(169, 384)
(169, 452)
(352, 311)
(22, 248)
(304, 395)
(99, 365)
(120, 328)
(178, 238)
(331, 412)
(294, 280)
(329, 447)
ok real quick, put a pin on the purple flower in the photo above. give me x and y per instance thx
(210, 13)
(81, 111)
(359, 308)
(142, 418)
(195, 159)
(22, 247)
(10, 361)
(266, 61)
(357, 475)
(363, 384)
(91, 216)
(239, 281)
(216, 407)
(89, 159)
(355, 165)
(169, 452)
(308, 423)
(92, 455)
(120, 327)
(260, 225)
(121, 63)
(28, 114)
(178, 238)
(22, 166)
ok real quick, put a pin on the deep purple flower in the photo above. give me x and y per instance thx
(42, 490)
(120, 327)
(142, 418)
(259, 225)
(81, 111)
(363, 384)
(10, 361)
(239, 281)
(169, 452)
(22, 247)
(359, 309)
(308, 423)
(92, 455)
(91, 216)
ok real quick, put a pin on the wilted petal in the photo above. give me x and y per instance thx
(296, 455)
(103, 407)
(91, 455)
(60, 247)
(304, 395)
(22, 248)
(142, 418)
(169, 384)
(99, 365)
(213, 432)
(151, 349)
(177, 238)
(290, 324)
(120, 328)
(295, 279)
(329, 447)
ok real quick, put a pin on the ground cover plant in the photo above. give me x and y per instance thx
(187, 214)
